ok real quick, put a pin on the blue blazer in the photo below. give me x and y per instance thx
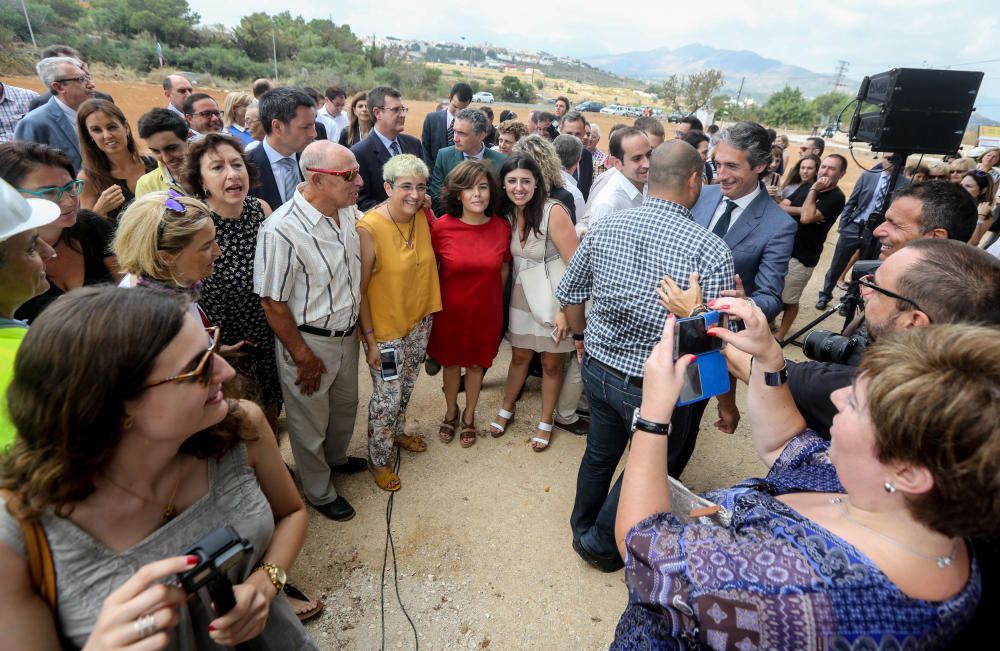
(49, 125)
(761, 241)
(447, 160)
(863, 192)
(434, 136)
(372, 155)
(267, 189)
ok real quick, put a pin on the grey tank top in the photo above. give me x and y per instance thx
(87, 571)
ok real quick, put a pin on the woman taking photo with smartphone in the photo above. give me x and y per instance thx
(126, 455)
(399, 295)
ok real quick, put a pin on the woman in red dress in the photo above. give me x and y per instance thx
(472, 245)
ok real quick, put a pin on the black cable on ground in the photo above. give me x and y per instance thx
(389, 544)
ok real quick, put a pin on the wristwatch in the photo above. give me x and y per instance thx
(663, 429)
(577, 336)
(275, 574)
(773, 379)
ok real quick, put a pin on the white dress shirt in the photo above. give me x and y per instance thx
(617, 194)
(741, 205)
(280, 171)
(579, 205)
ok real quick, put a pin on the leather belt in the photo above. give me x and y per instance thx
(323, 332)
(628, 380)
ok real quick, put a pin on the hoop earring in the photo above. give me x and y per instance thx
(889, 488)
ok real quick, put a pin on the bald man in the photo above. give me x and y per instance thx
(621, 258)
(176, 89)
(307, 273)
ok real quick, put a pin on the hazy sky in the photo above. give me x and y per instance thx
(872, 35)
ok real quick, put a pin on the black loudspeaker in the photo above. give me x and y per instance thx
(921, 111)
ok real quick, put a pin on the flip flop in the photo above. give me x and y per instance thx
(298, 601)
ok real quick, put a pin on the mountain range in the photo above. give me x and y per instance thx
(760, 75)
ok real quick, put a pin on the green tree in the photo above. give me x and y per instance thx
(691, 93)
(253, 36)
(513, 89)
(828, 106)
(787, 107)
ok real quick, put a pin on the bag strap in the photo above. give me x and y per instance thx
(38, 554)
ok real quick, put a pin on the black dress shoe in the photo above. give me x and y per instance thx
(578, 427)
(351, 466)
(822, 303)
(610, 563)
(339, 509)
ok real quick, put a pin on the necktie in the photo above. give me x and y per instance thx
(394, 148)
(451, 133)
(291, 177)
(883, 188)
(722, 225)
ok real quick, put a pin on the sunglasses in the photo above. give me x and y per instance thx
(55, 195)
(202, 373)
(347, 175)
(868, 282)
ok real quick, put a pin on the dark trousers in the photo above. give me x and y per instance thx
(613, 398)
(850, 240)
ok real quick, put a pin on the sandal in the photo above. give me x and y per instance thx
(410, 442)
(467, 435)
(496, 429)
(303, 607)
(386, 479)
(446, 431)
(538, 443)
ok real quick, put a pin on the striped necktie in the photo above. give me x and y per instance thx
(394, 148)
(451, 132)
(291, 180)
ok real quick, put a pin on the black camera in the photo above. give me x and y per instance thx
(826, 346)
(217, 552)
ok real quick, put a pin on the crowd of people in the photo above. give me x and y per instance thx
(162, 310)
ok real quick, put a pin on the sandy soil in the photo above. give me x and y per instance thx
(481, 534)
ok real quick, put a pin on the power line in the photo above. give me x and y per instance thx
(840, 81)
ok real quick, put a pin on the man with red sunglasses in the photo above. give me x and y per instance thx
(307, 272)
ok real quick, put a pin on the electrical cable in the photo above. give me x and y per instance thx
(390, 544)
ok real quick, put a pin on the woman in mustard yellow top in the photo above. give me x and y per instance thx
(399, 295)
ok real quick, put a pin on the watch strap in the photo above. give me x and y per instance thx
(773, 378)
(638, 422)
(274, 574)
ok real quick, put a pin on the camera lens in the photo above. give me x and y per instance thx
(826, 346)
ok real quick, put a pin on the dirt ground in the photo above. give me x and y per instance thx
(481, 534)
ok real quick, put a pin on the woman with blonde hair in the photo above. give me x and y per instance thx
(234, 112)
(359, 121)
(111, 161)
(400, 293)
(958, 167)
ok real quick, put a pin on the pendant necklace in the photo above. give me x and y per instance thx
(943, 562)
(413, 224)
(169, 509)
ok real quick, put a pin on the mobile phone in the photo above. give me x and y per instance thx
(390, 365)
(691, 334)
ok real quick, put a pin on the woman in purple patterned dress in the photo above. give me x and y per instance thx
(856, 543)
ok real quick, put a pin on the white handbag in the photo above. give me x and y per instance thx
(539, 280)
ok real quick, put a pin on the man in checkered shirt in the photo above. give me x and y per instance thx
(618, 266)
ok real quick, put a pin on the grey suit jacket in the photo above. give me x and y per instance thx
(863, 192)
(434, 136)
(761, 241)
(49, 125)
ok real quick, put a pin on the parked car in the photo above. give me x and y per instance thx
(633, 111)
(483, 96)
(676, 116)
(830, 130)
(613, 109)
(590, 106)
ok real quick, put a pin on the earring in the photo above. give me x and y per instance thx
(889, 488)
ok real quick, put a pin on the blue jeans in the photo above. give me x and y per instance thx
(612, 403)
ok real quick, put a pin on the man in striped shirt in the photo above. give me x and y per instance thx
(307, 272)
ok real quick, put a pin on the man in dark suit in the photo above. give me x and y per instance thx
(471, 127)
(757, 230)
(865, 198)
(54, 123)
(438, 126)
(574, 124)
(288, 116)
(385, 104)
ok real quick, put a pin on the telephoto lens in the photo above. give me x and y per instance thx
(826, 346)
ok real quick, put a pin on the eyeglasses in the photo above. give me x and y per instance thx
(55, 195)
(347, 175)
(208, 114)
(421, 188)
(868, 282)
(83, 79)
(402, 110)
(202, 374)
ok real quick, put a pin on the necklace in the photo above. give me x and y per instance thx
(169, 509)
(943, 562)
(413, 224)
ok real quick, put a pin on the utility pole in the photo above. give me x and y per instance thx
(739, 93)
(841, 80)
(28, 20)
(274, 48)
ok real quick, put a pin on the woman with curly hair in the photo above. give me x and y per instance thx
(126, 454)
(111, 161)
